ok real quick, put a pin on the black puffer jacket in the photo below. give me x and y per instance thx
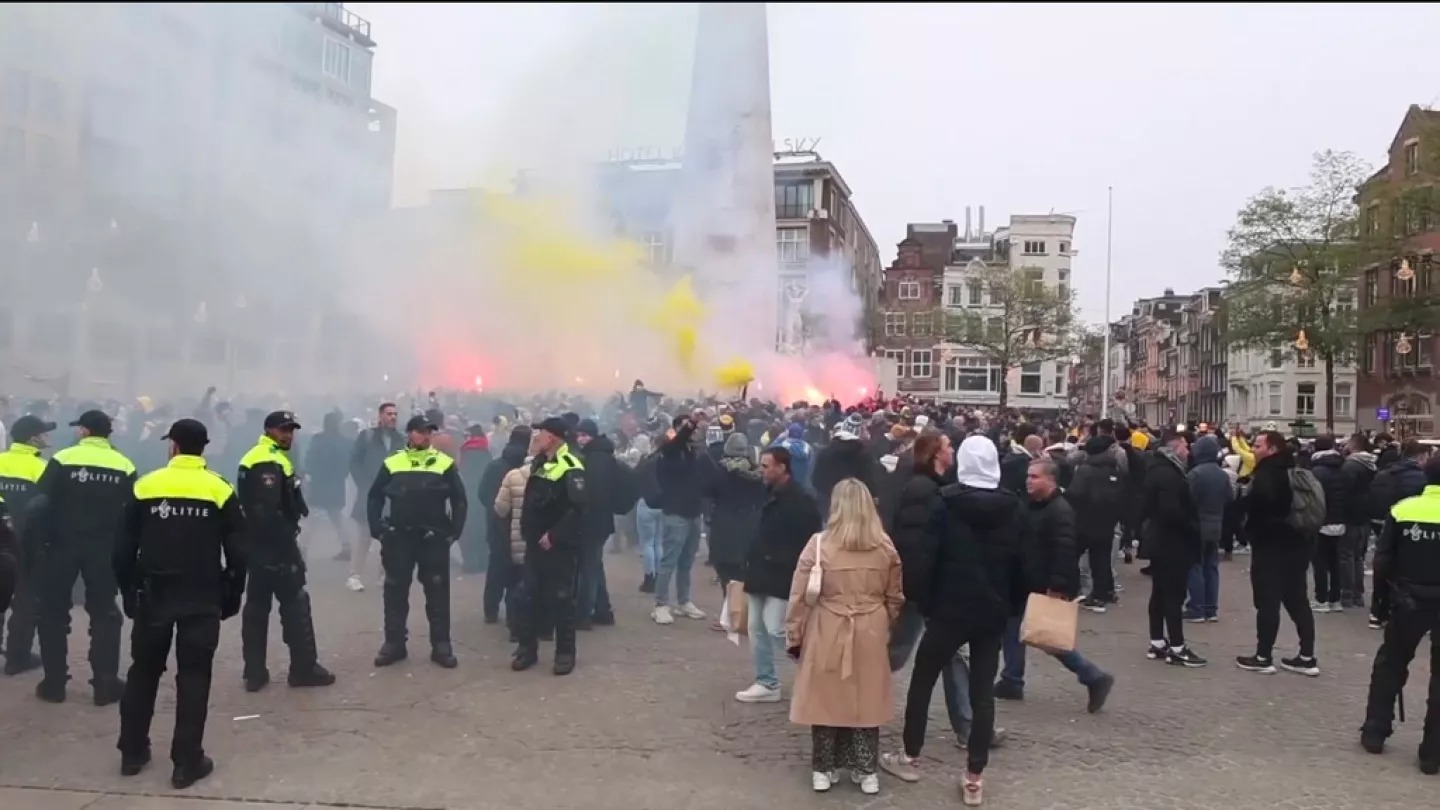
(914, 524)
(1359, 470)
(1326, 465)
(978, 579)
(1051, 562)
(602, 475)
(738, 493)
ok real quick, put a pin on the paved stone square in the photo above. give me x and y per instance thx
(648, 721)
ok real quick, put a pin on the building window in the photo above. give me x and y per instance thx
(1342, 400)
(1030, 378)
(898, 356)
(1305, 359)
(895, 324)
(793, 245)
(955, 295)
(976, 291)
(919, 324)
(909, 291)
(654, 245)
(972, 375)
(335, 61)
(1064, 248)
(920, 368)
(1276, 398)
(1277, 358)
(1059, 380)
(1305, 399)
(794, 200)
(1412, 158)
(1034, 248)
(1372, 287)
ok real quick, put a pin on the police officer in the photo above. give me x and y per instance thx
(551, 524)
(182, 518)
(79, 501)
(1407, 594)
(420, 483)
(20, 469)
(270, 497)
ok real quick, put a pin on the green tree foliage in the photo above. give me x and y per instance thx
(1026, 321)
(1292, 259)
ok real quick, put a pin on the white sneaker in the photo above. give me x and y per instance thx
(758, 693)
(689, 611)
(869, 783)
(661, 615)
(821, 781)
(354, 583)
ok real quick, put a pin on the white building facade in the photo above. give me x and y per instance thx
(1276, 385)
(1037, 243)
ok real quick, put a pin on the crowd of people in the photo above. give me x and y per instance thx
(864, 539)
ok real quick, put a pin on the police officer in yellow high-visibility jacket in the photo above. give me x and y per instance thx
(426, 514)
(21, 466)
(181, 520)
(552, 528)
(79, 501)
(1407, 594)
(270, 496)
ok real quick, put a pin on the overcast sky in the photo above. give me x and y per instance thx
(1185, 110)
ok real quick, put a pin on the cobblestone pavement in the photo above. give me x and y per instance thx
(648, 721)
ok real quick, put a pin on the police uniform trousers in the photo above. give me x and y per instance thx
(406, 554)
(195, 637)
(282, 582)
(24, 609)
(1409, 622)
(547, 596)
(60, 565)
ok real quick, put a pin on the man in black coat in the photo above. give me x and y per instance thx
(1052, 567)
(1326, 465)
(1281, 556)
(787, 522)
(1097, 493)
(1404, 478)
(502, 576)
(1360, 471)
(1172, 541)
(602, 473)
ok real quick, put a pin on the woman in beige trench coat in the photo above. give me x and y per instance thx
(839, 632)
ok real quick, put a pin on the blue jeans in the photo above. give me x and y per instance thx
(679, 540)
(767, 635)
(1014, 670)
(955, 676)
(647, 529)
(1204, 585)
(592, 597)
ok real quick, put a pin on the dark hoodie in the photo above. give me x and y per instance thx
(978, 578)
(1097, 490)
(841, 459)
(1210, 487)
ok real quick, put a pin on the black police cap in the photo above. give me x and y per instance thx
(281, 419)
(188, 433)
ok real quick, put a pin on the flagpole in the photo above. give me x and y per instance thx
(1109, 250)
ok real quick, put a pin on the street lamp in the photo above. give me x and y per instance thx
(1302, 343)
(1405, 273)
(1402, 344)
(1296, 277)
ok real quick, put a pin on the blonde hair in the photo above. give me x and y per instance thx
(854, 524)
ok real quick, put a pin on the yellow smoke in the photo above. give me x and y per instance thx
(540, 258)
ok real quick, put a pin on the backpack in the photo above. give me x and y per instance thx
(1307, 502)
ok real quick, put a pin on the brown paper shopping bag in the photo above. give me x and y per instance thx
(737, 607)
(1050, 624)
